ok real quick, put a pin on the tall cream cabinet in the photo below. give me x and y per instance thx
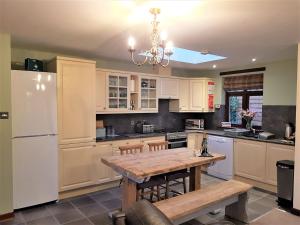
(195, 95)
(76, 120)
(76, 99)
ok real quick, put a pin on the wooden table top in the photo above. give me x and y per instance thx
(141, 166)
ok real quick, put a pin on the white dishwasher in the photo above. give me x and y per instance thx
(222, 145)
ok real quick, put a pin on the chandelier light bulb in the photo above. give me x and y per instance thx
(131, 43)
(163, 36)
(169, 47)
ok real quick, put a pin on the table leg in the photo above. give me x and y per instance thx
(129, 193)
(195, 178)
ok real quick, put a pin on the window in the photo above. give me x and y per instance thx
(238, 100)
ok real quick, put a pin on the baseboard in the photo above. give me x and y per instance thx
(257, 184)
(295, 211)
(87, 190)
(6, 216)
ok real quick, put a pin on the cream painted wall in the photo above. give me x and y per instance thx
(20, 54)
(279, 77)
(280, 81)
(5, 127)
(297, 147)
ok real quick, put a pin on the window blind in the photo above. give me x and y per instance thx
(244, 82)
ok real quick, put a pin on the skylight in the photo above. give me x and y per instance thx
(193, 57)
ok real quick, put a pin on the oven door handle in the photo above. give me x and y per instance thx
(176, 142)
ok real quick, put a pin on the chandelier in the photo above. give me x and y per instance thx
(160, 51)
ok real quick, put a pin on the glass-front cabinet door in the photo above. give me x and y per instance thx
(117, 97)
(148, 90)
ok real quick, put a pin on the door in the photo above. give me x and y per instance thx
(34, 104)
(168, 88)
(222, 145)
(117, 92)
(35, 170)
(76, 101)
(197, 95)
(184, 95)
(250, 159)
(102, 172)
(275, 153)
(76, 167)
(100, 91)
(148, 94)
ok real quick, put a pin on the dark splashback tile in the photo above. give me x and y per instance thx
(162, 120)
(274, 118)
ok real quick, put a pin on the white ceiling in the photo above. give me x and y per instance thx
(238, 29)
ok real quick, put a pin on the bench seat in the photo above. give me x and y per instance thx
(188, 206)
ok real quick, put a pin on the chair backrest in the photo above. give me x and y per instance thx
(157, 146)
(131, 149)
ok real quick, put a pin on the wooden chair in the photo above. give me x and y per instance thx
(173, 178)
(151, 187)
(157, 146)
(131, 149)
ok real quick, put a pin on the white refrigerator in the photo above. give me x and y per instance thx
(34, 138)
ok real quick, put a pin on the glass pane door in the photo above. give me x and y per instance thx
(118, 92)
(235, 107)
(148, 93)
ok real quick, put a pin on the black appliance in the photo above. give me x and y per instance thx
(176, 140)
(33, 65)
(285, 183)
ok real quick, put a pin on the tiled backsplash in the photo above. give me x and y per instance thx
(274, 119)
(162, 120)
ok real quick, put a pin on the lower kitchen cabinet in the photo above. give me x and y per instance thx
(250, 159)
(195, 140)
(257, 160)
(276, 152)
(76, 167)
(102, 173)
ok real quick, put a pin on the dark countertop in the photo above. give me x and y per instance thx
(130, 136)
(223, 134)
(211, 132)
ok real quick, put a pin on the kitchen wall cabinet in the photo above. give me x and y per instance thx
(76, 99)
(276, 152)
(148, 94)
(117, 92)
(168, 88)
(195, 95)
(75, 167)
(100, 90)
(250, 159)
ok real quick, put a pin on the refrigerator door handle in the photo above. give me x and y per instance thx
(41, 135)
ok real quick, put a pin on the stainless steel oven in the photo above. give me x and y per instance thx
(176, 140)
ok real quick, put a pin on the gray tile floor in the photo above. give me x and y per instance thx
(94, 208)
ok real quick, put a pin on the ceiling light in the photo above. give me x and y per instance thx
(160, 51)
(254, 59)
(214, 66)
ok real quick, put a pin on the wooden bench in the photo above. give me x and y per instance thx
(232, 194)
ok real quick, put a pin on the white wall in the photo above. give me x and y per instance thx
(297, 147)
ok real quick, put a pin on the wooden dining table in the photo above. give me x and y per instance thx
(137, 168)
